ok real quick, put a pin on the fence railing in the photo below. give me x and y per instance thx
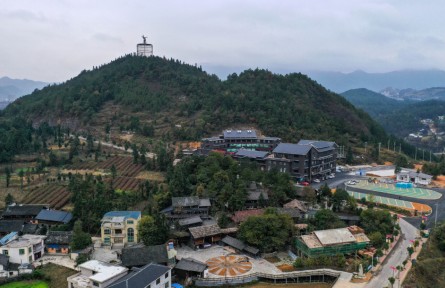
(265, 276)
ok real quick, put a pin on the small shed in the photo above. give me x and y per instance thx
(58, 242)
(188, 267)
(203, 235)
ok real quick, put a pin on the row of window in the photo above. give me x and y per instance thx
(130, 234)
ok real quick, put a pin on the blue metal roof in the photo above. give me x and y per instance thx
(294, 149)
(126, 214)
(319, 145)
(7, 238)
(55, 216)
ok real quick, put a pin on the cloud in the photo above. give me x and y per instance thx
(107, 38)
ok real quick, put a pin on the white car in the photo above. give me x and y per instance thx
(316, 180)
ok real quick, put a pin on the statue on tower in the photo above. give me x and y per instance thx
(145, 39)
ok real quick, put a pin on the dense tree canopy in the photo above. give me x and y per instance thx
(269, 232)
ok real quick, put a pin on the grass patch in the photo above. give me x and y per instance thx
(26, 284)
(57, 274)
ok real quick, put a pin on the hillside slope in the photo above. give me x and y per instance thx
(375, 104)
(181, 102)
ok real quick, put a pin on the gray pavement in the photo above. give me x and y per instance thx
(399, 254)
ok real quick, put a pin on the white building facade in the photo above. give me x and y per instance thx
(25, 249)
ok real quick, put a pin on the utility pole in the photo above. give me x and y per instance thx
(388, 143)
(400, 148)
(423, 155)
(379, 147)
(415, 157)
(430, 156)
(366, 144)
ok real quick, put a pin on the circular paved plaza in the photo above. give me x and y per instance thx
(231, 265)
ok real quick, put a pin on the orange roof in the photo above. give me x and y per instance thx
(241, 216)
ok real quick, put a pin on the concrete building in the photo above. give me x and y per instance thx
(120, 228)
(331, 242)
(308, 159)
(233, 140)
(95, 273)
(414, 177)
(24, 249)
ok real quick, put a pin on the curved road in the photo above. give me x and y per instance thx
(397, 256)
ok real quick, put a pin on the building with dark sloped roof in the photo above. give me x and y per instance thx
(186, 207)
(188, 267)
(306, 160)
(140, 255)
(233, 140)
(58, 242)
(240, 246)
(150, 275)
(25, 212)
(53, 217)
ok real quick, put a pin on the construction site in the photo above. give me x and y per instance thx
(332, 242)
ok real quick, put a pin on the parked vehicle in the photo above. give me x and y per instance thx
(305, 183)
(316, 180)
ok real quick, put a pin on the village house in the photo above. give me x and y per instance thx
(120, 228)
(96, 274)
(186, 207)
(24, 249)
(257, 196)
(149, 276)
(414, 177)
(204, 236)
(190, 268)
(139, 255)
(24, 212)
(19, 226)
(58, 242)
(53, 217)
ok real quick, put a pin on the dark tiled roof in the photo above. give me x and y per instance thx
(185, 201)
(189, 264)
(321, 146)
(54, 216)
(233, 242)
(59, 237)
(296, 204)
(140, 255)
(29, 228)
(290, 148)
(141, 277)
(7, 226)
(292, 212)
(236, 134)
(203, 231)
(190, 221)
(251, 250)
(254, 196)
(243, 153)
(23, 210)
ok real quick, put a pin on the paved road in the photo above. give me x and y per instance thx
(129, 150)
(396, 258)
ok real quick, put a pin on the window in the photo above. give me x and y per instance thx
(5, 252)
(158, 281)
(166, 275)
(95, 284)
(107, 241)
(130, 232)
(118, 231)
(21, 251)
(30, 259)
(167, 285)
(29, 249)
(130, 222)
(107, 231)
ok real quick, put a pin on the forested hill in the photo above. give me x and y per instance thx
(373, 103)
(160, 97)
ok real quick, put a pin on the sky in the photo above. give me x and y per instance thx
(53, 40)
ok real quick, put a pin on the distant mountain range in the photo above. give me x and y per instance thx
(414, 79)
(11, 89)
(436, 93)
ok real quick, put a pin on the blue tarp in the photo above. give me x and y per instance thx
(176, 285)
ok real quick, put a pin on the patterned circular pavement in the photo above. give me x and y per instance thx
(231, 265)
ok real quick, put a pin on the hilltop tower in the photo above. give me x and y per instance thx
(144, 49)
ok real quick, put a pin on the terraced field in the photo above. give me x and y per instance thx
(55, 195)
